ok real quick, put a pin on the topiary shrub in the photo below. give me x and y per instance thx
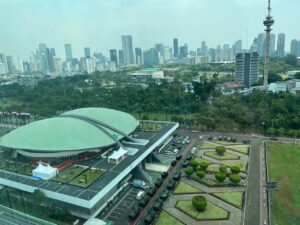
(235, 178)
(200, 173)
(235, 169)
(223, 169)
(220, 150)
(194, 164)
(203, 165)
(199, 202)
(189, 171)
(220, 176)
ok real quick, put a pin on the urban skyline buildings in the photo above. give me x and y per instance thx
(45, 59)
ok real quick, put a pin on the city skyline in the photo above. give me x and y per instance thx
(75, 22)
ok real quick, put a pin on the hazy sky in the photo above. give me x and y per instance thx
(99, 24)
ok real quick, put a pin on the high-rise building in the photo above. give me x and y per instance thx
(183, 51)
(3, 63)
(227, 53)
(237, 47)
(295, 47)
(57, 65)
(212, 55)
(254, 46)
(272, 44)
(247, 68)
(127, 49)
(113, 56)
(150, 57)
(204, 48)
(280, 45)
(87, 52)
(219, 55)
(10, 64)
(52, 52)
(121, 58)
(138, 56)
(261, 43)
(167, 53)
(175, 48)
(68, 51)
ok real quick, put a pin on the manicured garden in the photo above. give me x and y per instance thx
(208, 145)
(234, 198)
(166, 219)
(225, 156)
(88, 177)
(227, 143)
(68, 174)
(241, 149)
(242, 166)
(212, 212)
(184, 188)
(283, 162)
(17, 167)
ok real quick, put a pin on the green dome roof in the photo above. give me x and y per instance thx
(66, 133)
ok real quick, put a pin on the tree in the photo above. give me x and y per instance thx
(290, 60)
(189, 171)
(297, 75)
(38, 196)
(200, 173)
(220, 176)
(203, 165)
(194, 164)
(199, 202)
(223, 169)
(235, 169)
(235, 178)
(220, 150)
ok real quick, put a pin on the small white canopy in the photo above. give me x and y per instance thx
(44, 171)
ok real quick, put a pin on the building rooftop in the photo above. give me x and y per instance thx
(71, 131)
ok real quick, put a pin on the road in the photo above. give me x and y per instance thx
(186, 151)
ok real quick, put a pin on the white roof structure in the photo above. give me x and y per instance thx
(44, 171)
(118, 156)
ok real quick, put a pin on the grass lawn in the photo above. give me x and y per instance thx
(234, 198)
(166, 219)
(212, 211)
(207, 144)
(241, 165)
(68, 174)
(284, 168)
(184, 188)
(226, 156)
(241, 149)
(161, 116)
(199, 160)
(88, 177)
(227, 143)
(213, 168)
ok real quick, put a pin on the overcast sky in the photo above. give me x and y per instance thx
(99, 24)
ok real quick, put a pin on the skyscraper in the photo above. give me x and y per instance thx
(175, 47)
(227, 52)
(294, 47)
(87, 52)
(127, 49)
(261, 43)
(150, 57)
(121, 58)
(3, 64)
(138, 56)
(281, 45)
(272, 44)
(247, 68)
(183, 51)
(113, 56)
(204, 48)
(68, 51)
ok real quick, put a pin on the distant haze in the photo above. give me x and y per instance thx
(99, 24)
